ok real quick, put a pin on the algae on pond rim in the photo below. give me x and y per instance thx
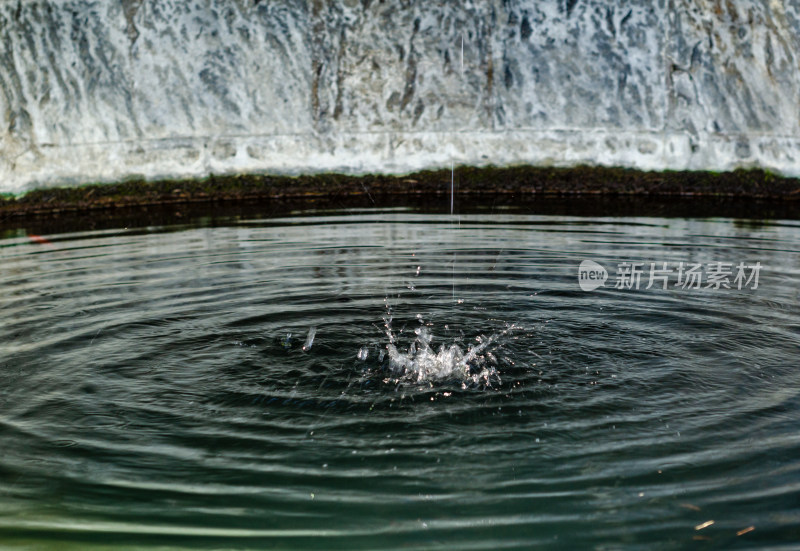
(523, 184)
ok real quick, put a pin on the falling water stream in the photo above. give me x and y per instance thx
(309, 382)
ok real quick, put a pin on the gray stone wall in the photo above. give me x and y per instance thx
(103, 90)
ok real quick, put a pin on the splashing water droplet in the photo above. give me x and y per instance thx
(312, 332)
(422, 363)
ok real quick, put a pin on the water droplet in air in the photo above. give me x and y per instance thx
(310, 339)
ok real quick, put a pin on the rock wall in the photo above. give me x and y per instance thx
(102, 90)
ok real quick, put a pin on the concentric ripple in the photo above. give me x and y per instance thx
(387, 380)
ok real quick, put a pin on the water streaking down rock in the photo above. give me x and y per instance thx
(108, 90)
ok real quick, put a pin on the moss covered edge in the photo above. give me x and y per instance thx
(527, 182)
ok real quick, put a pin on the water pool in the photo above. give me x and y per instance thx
(391, 379)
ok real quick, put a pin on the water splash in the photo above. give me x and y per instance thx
(421, 361)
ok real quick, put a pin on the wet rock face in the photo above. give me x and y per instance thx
(107, 89)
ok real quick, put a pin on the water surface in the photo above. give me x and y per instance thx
(231, 386)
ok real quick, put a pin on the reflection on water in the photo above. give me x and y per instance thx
(397, 380)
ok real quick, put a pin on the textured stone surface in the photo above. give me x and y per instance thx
(108, 89)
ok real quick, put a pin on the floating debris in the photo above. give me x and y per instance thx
(706, 524)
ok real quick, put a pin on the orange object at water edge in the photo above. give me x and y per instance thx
(39, 239)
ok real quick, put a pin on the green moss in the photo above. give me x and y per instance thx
(469, 180)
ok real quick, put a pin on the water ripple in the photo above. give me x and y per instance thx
(157, 387)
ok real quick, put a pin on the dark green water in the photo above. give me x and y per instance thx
(155, 392)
